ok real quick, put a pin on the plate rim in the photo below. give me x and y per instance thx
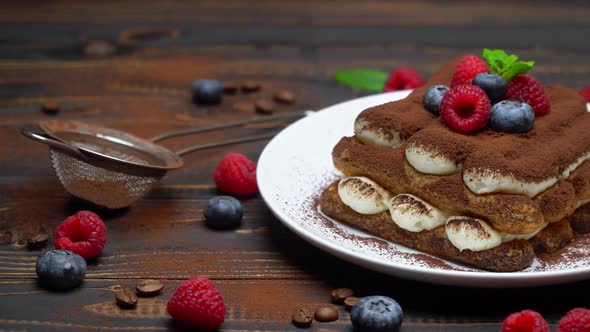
(465, 278)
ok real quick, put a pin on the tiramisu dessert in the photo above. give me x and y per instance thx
(482, 166)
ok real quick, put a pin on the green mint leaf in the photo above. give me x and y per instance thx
(505, 65)
(519, 67)
(495, 59)
(508, 62)
(365, 79)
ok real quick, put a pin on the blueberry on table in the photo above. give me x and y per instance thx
(512, 116)
(376, 314)
(493, 84)
(207, 91)
(60, 269)
(223, 212)
(433, 96)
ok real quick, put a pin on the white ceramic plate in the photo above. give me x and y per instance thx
(296, 165)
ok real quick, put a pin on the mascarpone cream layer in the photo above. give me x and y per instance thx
(376, 137)
(476, 235)
(413, 214)
(430, 162)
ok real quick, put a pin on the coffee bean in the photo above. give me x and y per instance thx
(126, 299)
(302, 317)
(250, 86)
(340, 294)
(230, 88)
(99, 48)
(149, 287)
(350, 301)
(244, 106)
(264, 106)
(38, 241)
(326, 314)
(284, 97)
(50, 106)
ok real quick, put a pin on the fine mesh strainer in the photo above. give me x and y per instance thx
(112, 168)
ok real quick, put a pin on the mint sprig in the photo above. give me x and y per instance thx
(506, 65)
(365, 79)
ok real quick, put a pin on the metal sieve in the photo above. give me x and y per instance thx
(112, 168)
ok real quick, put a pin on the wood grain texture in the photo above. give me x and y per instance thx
(262, 269)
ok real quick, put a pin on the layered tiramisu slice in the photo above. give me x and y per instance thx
(483, 165)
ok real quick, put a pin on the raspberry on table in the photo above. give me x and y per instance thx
(527, 89)
(466, 70)
(585, 92)
(197, 304)
(465, 108)
(403, 78)
(236, 175)
(576, 320)
(525, 321)
(83, 233)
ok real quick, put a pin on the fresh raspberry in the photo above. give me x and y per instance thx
(197, 304)
(465, 108)
(403, 78)
(236, 175)
(466, 70)
(576, 320)
(525, 321)
(83, 233)
(585, 92)
(527, 89)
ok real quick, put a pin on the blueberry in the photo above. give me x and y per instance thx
(512, 116)
(60, 269)
(433, 96)
(493, 84)
(223, 212)
(207, 92)
(376, 314)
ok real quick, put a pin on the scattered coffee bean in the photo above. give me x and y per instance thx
(244, 106)
(250, 86)
(302, 317)
(284, 97)
(126, 299)
(149, 287)
(340, 294)
(38, 241)
(326, 314)
(350, 301)
(264, 106)
(99, 48)
(50, 106)
(230, 88)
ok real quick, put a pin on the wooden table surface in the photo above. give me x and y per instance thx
(263, 270)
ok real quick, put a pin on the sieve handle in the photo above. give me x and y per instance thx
(52, 142)
(284, 116)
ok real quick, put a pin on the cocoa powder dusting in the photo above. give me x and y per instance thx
(575, 255)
